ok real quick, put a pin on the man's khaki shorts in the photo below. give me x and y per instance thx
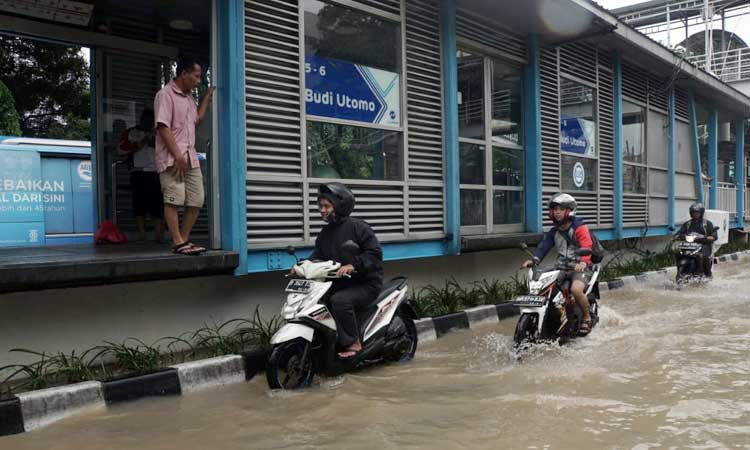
(185, 192)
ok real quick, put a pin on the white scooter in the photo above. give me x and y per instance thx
(306, 344)
(549, 312)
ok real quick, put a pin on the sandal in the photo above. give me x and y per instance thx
(196, 249)
(585, 328)
(186, 248)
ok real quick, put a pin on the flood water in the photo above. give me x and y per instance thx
(664, 369)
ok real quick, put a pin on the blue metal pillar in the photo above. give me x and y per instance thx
(672, 161)
(450, 105)
(696, 149)
(713, 157)
(618, 146)
(231, 109)
(739, 169)
(533, 136)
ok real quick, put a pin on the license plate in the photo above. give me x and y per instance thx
(688, 246)
(529, 300)
(299, 286)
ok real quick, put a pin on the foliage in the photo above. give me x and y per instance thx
(8, 115)
(134, 357)
(432, 301)
(733, 247)
(50, 86)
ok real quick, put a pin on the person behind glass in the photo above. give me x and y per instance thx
(138, 143)
(365, 268)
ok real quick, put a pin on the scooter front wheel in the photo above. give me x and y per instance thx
(526, 329)
(290, 366)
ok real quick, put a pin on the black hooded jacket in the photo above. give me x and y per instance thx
(699, 226)
(368, 263)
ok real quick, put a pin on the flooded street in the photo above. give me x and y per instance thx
(664, 369)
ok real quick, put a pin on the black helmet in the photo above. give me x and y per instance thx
(697, 207)
(566, 201)
(340, 196)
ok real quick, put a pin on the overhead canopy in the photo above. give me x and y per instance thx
(553, 20)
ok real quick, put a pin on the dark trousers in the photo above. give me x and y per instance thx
(345, 301)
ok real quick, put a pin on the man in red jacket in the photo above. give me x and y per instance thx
(569, 234)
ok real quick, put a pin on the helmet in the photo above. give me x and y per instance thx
(697, 207)
(566, 201)
(340, 196)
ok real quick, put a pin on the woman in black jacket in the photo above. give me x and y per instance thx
(336, 202)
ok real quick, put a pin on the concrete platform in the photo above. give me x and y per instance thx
(35, 268)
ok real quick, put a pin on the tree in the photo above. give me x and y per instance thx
(50, 86)
(8, 114)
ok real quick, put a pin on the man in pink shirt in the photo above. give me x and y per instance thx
(176, 158)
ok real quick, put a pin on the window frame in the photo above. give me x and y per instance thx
(595, 111)
(488, 188)
(401, 129)
(644, 142)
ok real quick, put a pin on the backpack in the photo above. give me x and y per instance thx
(597, 249)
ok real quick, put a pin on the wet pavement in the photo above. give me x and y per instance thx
(664, 369)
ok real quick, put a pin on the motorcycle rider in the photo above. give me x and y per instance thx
(567, 235)
(697, 224)
(335, 203)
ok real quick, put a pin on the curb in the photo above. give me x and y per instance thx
(35, 409)
(208, 373)
(45, 406)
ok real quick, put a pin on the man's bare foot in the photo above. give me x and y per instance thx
(351, 351)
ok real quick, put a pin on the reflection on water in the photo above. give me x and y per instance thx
(664, 369)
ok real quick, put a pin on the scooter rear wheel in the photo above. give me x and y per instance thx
(411, 336)
(286, 368)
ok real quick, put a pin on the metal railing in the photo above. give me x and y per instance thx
(731, 65)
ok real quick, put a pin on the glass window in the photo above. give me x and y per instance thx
(507, 207)
(506, 104)
(577, 119)
(578, 174)
(337, 32)
(507, 167)
(634, 179)
(633, 119)
(471, 157)
(472, 207)
(345, 151)
(470, 95)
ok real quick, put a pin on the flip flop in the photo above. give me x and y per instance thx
(195, 249)
(182, 249)
(585, 328)
(348, 354)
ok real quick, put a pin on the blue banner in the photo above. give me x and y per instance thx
(83, 198)
(343, 90)
(21, 187)
(577, 135)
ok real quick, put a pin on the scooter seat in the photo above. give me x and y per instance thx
(390, 287)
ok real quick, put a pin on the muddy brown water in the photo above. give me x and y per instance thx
(665, 369)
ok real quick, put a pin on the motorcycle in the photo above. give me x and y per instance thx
(689, 258)
(549, 312)
(306, 343)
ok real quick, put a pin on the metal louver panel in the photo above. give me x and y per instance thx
(550, 109)
(588, 209)
(274, 214)
(390, 6)
(578, 60)
(606, 210)
(479, 29)
(382, 207)
(658, 93)
(272, 88)
(424, 92)
(634, 83)
(681, 105)
(606, 129)
(133, 27)
(635, 210)
(426, 210)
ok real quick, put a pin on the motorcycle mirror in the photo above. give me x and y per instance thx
(523, 246)
(350, 247)
(583, 252)
(292, 252)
